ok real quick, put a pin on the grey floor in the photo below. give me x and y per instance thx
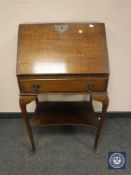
(62, 150)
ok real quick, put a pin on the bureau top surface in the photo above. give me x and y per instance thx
(71, 48)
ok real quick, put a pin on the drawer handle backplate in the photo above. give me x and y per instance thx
(36, 87)
(90, 87)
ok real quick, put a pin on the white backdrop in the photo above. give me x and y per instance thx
(116, 14)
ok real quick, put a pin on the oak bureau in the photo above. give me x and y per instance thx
(63, 58)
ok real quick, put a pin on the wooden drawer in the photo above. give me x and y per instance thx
(63, 85)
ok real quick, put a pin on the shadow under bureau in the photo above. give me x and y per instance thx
(63, 58)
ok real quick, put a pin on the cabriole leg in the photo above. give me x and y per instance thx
(23, 101)
(105, 101)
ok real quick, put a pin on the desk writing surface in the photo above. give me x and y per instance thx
(77, 49)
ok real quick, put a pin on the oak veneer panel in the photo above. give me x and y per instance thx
(80, 49)
(64, 85)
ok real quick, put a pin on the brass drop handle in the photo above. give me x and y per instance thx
(90, 87)
(36, 87)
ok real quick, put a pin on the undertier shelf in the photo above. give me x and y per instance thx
(66, 113)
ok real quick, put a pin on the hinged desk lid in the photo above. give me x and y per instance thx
(62, 49)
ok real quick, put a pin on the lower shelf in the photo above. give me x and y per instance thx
(65, 113)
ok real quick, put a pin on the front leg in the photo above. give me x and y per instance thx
(23, 101)
(105, 101)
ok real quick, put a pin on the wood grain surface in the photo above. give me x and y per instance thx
(81, 49)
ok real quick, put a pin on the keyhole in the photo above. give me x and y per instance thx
(61, 28)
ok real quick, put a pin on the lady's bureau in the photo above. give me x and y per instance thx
(63, 58)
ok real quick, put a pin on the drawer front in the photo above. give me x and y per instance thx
(63, 85)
